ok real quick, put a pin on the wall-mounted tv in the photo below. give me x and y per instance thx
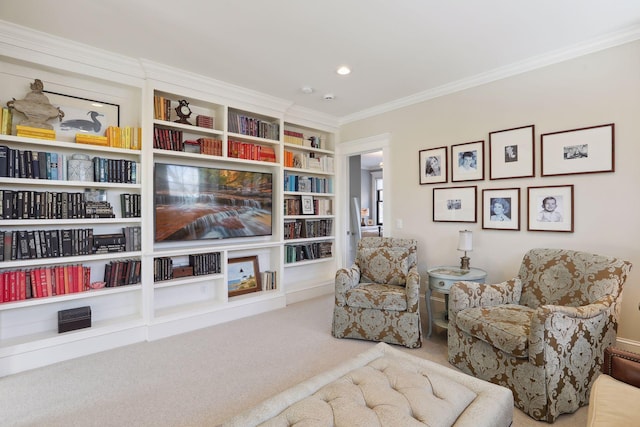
(193, 203)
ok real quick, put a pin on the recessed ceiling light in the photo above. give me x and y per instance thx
(329, 97)
(307, 89)
(343, 70)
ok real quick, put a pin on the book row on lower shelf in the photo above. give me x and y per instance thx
(29, 204)
(23, 284)
(308, 161)
(307, 251)
(321, 206)
(253, 126)
(36, 244)
(199, 265)
(307, 184)
(29, 164)
(307, 228)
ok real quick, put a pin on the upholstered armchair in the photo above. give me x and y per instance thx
(377, 298)
(543, 333)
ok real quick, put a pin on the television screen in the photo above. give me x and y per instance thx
(193, 203)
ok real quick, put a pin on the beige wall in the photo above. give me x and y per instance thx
(596, 89)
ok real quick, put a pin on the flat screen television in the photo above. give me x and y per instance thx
(194, 202)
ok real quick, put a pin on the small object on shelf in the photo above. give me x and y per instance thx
(364, 213)
(80, 168)
(36, 107)
(182, 271)
(97, 285)
(32, 132)
(183, 111)
(74, 318)
(85, 138)
(465, 244)
(205, 121)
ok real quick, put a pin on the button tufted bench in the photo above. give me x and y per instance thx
(385, 387)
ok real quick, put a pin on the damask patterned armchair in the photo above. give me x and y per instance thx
(377, 298)
(542, 334)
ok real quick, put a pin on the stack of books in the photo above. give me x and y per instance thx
(205, 121)
(31, 132)
(85, 138)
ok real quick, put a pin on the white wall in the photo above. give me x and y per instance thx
(599, 88)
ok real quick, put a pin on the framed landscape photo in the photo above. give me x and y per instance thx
(454, 204)
(585, 150)
(433, 165)
(82, 115)
(307, 204)
(550, 208)
(501, 209)
(467, 161)
(511, 153)
(243, 275)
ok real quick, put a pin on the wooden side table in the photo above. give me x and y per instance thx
(440, 280)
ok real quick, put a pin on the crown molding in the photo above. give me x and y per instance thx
(243, 97)
(627, 35)
(33, 46)
(311, 118)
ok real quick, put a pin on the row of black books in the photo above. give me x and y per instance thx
(309, 251)
(42, 282)
(307, 228)
(130, 205)
(29, 204)
(253, 126)
(35, 244)
(199, 265)
(28, 164)
(162, 269)
(122, 272)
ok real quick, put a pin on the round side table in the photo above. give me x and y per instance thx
(440, 280)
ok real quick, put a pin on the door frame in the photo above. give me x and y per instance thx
(344, 150)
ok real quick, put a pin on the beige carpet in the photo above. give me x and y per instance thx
(197, 379)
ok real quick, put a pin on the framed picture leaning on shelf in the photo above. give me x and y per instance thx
(82, 115)
(307, 205)
(243, 275)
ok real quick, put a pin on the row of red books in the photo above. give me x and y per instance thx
(18, 285)
(249, 151)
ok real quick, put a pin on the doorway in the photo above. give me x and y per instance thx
(351, 156)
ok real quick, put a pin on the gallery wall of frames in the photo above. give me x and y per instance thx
(507, 156)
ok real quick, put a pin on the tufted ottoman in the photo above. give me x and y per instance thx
(385, 387)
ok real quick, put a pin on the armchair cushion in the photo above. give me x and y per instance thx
(377, 296)
(504, 326)
(385, 265)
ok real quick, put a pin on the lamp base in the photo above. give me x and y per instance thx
(464, 263)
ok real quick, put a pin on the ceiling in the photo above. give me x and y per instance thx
(400, 51)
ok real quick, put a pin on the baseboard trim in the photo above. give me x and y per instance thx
(310, 292)
(627, 344)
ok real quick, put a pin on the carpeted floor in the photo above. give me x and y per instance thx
(200, 378)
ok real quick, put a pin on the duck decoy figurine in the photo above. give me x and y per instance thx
(36, 107)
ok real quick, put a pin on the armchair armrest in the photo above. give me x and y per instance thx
(413, 289)
(346, 278)
(471, 294)
(622, 365)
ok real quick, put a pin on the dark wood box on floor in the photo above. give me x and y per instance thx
(74, 318)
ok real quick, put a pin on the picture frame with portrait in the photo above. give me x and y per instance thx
(550, 208)
(467, 161)
(578, 151)
(307, 204)
(433, 165)
(511, 153)
(455, 204)
(501, 209)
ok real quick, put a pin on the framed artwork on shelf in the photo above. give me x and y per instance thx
(511, 153)
(455, 204)
(550, 208)
(82, 115)
(467, 161)
(585, 150)
(243, 275)
(307, 205)
(433, 165)
(501, 209)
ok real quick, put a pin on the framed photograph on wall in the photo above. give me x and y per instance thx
(550, 208)
(433, 165)
(307, 204)
(467, 161)
(243, 275)
(511, 153)
(501, 209)
(585, 150)
(82, 115)
(455, 204)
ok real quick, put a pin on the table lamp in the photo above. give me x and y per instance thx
(465, 244)
(364, 213)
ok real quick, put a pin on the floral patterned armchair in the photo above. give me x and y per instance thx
(542, 334)
(377, 298)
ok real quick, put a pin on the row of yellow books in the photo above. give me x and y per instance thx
(31, 132)
(6, 121)
(127, 137)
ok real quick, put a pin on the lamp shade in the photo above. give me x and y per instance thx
(465, 241)
(364, 212)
